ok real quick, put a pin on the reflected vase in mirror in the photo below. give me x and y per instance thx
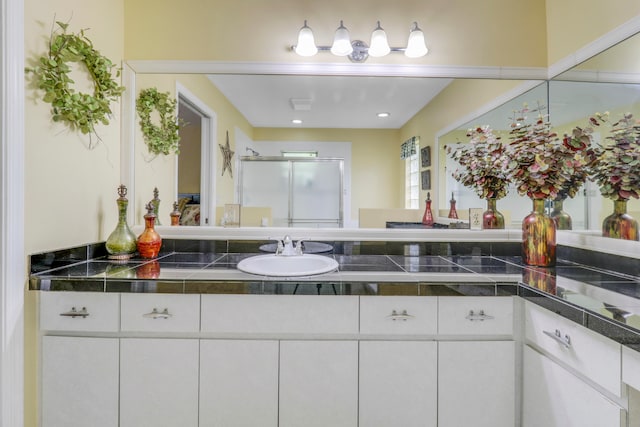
(491, 218)
(559, 216)
(538, 237)
(149, 242)
(620, 225)
(427, 218)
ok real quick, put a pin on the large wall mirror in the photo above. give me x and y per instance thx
(605, 82)
(609, 81)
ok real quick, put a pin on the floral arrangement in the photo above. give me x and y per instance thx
(541, 165)
(483, 163)
(616, 163)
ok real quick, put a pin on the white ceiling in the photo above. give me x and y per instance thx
(333, 101)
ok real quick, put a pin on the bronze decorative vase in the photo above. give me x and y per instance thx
(491, 218)
(538, 237)
(620, 225)
(559, 216)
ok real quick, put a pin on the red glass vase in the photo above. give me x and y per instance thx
(427, 218)
(149, 242)
(491, 218)
(538, 237)
(620, 225)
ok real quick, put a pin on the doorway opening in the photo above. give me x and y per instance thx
(195, 180)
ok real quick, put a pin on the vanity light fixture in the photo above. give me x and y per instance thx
(296, 121)
(357, 50)
(383, 114)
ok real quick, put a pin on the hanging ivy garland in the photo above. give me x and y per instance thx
(80, 111)
(163, 138)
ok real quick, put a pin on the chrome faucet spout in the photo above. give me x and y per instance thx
(288, 248)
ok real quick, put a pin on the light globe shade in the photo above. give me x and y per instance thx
(306, 43)
(416, 46)
(379, 44)
(341, 42)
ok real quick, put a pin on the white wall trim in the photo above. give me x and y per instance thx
(12, 246)
(342, 69)
(127, 136)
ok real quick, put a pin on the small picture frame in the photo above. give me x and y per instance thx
(425, 179)
(425, 157)
(475, 218)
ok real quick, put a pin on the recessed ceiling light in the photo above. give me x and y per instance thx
(296, 121)
(381, 115)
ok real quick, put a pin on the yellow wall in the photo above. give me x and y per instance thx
(189, 169)
(377, 173)
(572, 24)
(458, 32)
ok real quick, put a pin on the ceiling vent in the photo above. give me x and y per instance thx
(300, 104)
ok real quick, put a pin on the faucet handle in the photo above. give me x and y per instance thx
(300, 246)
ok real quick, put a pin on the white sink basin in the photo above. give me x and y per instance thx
(288, 266)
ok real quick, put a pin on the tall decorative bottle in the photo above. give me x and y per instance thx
(149, 242)
(453, 213)
(427, 218)
(121, 243)
(156, 205)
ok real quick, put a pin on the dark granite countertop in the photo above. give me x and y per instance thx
(603, 299)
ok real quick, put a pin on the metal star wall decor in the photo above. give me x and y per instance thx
(227, 154)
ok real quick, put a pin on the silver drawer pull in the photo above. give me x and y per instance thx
(76, 313)
(479, 316)
(155, 314)
(557, 336)
(403, 315)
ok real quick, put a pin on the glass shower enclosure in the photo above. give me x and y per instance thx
(301, 192)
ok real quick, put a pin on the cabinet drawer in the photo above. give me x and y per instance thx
(79, 311)
(280, 314)
(588, 353)
(475, 315)
(160, 313)
(398, 315)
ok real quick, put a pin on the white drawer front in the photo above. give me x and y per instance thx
(475, 315)
(160, 313)
(79, 311)
(589, 353)
(280, 314)
(398, 315)
(631, 367)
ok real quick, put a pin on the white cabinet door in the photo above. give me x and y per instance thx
(158, 382)
(239, 383)
(318, 383)
(553, 397)
(398, 383)
(476, 384)
(79, 382)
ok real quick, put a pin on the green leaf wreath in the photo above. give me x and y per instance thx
(163, 138)
(80, 111)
